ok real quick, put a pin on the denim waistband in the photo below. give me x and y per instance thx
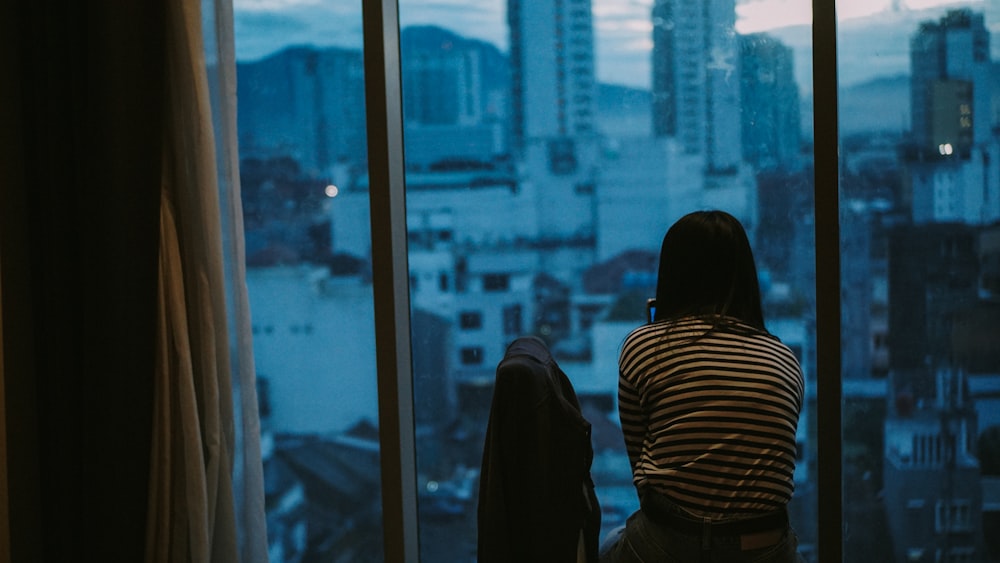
(665, 512)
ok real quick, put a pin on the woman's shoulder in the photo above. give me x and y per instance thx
(667, 330)
(639, 334)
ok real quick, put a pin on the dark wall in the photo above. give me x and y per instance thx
(79, 196)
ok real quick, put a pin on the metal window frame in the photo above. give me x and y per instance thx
(390, 280)
(826, 136)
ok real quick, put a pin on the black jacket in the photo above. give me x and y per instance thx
(535, 490)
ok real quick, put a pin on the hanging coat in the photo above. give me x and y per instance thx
(536, 497)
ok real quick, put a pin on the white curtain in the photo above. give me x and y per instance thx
(206, 484)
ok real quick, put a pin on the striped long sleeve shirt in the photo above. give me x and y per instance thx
(710, 415)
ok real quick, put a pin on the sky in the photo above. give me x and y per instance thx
(622, 27)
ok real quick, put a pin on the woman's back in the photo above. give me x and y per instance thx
(709, 415)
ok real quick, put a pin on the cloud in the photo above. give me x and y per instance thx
(761, 15)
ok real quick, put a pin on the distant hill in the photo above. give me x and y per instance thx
(873, 56)
(867, 48)
(615, 97)
(882, 104)
(431, 38)
(873, 72)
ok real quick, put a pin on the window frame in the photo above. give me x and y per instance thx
(826, 150)
(383, 96)
(390, 279)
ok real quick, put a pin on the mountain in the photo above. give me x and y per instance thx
(882, 104)
(417, 39)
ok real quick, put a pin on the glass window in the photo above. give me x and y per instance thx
(559, 181)
(301, 126)
(469, 320)
(920, 205)
(549, 144)
(496, 282)
(471, 355)
(512, 320)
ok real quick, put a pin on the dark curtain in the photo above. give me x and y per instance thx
(81, 128)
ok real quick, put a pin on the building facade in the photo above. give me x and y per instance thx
(932, 477)
(552, 69)
(770, 117)
(696, 86)
(953, 151)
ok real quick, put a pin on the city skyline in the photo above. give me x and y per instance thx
(622, 28)
(488, 260)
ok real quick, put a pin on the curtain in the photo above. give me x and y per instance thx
(82, 90)
(206, 486)
(248, 478)
(121, 272)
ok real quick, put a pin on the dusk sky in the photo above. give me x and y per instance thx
(622, 27)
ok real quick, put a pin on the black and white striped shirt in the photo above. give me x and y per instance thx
(709, 415)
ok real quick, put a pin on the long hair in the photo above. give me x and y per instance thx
(707, 270)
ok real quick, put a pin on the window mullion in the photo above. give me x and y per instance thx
(390, 283)
(827, 226)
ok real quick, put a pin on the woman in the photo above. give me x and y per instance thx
(709, 404)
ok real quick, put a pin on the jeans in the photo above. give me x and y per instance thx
(643, 541)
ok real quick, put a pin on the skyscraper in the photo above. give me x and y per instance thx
(553, 104)
(950, 83)
(696, 83)
(663, 79)
(552, 71)
(770, 103)
(952, 154)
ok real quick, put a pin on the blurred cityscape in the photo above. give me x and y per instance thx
(536, 201)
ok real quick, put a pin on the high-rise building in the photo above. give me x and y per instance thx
(952, 154)
(663, 79)
(553, 103)
(950, 83)
(552, 72)
(933, 278)
(933, 491)
(696, 81)
(770, 117)
(939, 327)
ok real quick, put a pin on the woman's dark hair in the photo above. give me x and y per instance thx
(707, 270)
